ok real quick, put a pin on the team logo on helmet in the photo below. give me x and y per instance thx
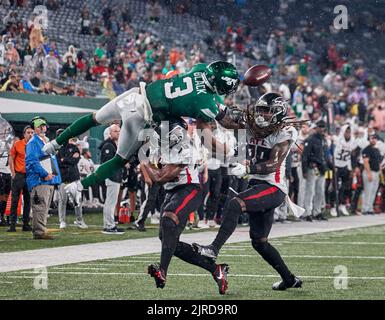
(230, 81)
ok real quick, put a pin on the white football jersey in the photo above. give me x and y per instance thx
(258, 150)
(343, 150)
(4, 167)
(185, 153)
(86, 166)
(295, 155)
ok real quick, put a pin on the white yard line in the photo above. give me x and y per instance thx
(21, 260)
(206, 275)
(307, 256)
(77, 268)
(276, 242)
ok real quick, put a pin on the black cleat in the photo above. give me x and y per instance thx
(220, 277)
(281, 285)
(321, 217)
(158, 274)
(206, 251)
(12, 228)
(26, 227)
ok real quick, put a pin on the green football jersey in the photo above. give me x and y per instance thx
(184, 95)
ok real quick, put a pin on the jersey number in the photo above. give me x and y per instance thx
(178, 92)
(343, 155)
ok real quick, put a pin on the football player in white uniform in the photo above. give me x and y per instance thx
(269, 142)
(345, 144)
(180, 174)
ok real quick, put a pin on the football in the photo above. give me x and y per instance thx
(257, 75)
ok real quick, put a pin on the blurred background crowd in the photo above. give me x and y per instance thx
(331, 77)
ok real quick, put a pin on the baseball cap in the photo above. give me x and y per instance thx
(37, 122)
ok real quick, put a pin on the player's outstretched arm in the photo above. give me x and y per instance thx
(277, 156)
(232, 118)
(168, 172)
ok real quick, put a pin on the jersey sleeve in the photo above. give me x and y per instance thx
(199, 67)
(365, 153)
(209, 110)
(287, 134)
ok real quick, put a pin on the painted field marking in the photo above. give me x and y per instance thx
(206, 274)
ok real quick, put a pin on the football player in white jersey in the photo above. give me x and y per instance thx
(345, 144)
(269, 142)
(179, 158)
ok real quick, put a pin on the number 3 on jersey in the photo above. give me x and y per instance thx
(178, 92)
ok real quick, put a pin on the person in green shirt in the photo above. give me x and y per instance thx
(195, 94)
(99, 51)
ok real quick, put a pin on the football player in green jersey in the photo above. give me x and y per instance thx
(195, 94)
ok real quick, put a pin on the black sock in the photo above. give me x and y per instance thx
(228, 225)
(3, 205)
(169, 242)
(185, 252)
(272, 256)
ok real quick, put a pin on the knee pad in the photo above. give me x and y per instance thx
(235, 206)
(259, 245)
(168, 225)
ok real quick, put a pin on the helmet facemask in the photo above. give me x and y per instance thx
(266, 115)
(265, 118)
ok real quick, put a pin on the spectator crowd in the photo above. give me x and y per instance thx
(338, 158)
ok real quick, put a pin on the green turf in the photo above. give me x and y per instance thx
(72, 235)
(313, 257)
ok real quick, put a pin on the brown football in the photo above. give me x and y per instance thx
(257, 75)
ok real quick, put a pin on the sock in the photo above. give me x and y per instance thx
(104, 171)
(169, 242)
(3, 205)
(185, 252)
(272, 257)
(228, 225)
(80, 126)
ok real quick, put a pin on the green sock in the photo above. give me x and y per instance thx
(80, 126)
(104, 171)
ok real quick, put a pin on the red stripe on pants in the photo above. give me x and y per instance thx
(262, 193)
(186, 201)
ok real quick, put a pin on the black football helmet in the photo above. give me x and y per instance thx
(267, 114)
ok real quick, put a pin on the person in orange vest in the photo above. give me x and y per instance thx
(17, 167)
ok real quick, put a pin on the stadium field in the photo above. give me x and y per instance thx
(334, 265)
(72, 235)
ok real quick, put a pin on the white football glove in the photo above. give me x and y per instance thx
(51, 147)
(239, 170)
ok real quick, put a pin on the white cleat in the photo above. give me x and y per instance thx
(63, 225)
(213, 224)
(203, 225)
(51, 147)
(333, 212)
(81, 224)
(343, 210)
